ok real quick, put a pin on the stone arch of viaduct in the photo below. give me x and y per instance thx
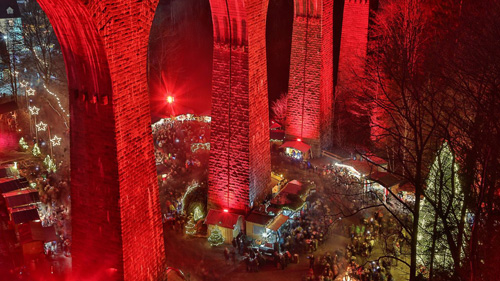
(115, 206)
(116, 218)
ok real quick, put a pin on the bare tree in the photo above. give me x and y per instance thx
(41, 41)
(401, 89)
(279, 108)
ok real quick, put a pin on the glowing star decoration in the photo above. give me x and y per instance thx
(34, 110)
(55, 141)
(30, 92)
(23, 84)
(36, 150)
(41, 126)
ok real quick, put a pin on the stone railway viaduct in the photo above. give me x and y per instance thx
(116, 216)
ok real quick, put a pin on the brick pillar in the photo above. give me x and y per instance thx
(116, 219)
(354, 40)
(240, 168)
(310, 88)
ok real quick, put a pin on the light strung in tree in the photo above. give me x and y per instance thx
(194, 184)
(34, 110)
(55, 141)
(215, 239)
(41, 126)
(444, 196)
(23, 84)
(36, 150)
(198, 145)
(57, 98)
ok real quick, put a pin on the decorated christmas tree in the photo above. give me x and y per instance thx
(190, 226)
(23, 144)
(198, 214)
(36, 150)
(215, 238)
(443, 195)
(51, 166)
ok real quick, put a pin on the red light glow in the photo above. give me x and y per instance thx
(299, 139)
(170, 99)
(226, 211)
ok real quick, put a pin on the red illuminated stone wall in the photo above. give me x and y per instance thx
(353, 44)
(239, 170)
(116, 220)
(310, 88)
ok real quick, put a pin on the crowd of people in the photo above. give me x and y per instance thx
(177, 163)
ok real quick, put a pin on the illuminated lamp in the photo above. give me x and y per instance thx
(299, 139)
(170, 99)
(226, 211)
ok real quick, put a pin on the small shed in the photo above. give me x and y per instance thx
(230, 224)
(297, 149)
(256, 224)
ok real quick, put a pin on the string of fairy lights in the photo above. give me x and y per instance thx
(34, 112)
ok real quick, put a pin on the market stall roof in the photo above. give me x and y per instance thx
(274, 125)
(174, 274)
(277, 222)
(34, 231)
(363, 167)
(387, 180)
(221, 218)
(304, 147)
(21, 197)
(375, 159)
(293, 187)
(259, 218)
(407, 186)
(24, 214)
(322, 161)
(10, 184)
(277, 134)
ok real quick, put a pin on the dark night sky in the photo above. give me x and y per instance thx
(181, 54)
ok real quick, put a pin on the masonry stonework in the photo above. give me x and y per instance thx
(354, 40)
(310, 88)
(239, 168)
(116, 220)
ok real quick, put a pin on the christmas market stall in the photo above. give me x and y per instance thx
(256, 224)
(291, 198)
(223, 223)
(297, 149)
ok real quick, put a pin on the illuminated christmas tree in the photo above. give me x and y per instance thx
(23, 144)
(215, 238)
(36, 150)
(198, 214)
(190, 226)
(444, 195)
(51, 166)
